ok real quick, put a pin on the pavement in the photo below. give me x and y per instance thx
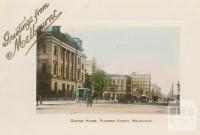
(101, 107)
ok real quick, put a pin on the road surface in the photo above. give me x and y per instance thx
(71, 107)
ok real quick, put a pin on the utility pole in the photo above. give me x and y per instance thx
(178, 87)
(172, 90)
(178, 92)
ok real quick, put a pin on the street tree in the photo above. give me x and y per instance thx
(99, 81)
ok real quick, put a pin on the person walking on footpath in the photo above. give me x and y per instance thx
(37, 100)
(89, 101)
(77, 100)
(40, 100)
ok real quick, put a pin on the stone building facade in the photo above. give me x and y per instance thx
(60, 62)
(140, 84)
(118, 85)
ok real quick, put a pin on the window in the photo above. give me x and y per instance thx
(54, 67)
(79, 60)
(55, 50)
(43, 67)
(67, 72)
(82, 78)
(62, 53)
(82, 66)
(44, 50)
(66, 56)
(55, 86)
(63, 87)
(61, 69)
(79, 74)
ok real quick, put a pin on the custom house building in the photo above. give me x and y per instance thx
(60, 63)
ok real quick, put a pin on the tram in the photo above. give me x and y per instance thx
(82, 93)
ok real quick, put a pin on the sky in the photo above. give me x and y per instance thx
(124, 50)
(124, 36)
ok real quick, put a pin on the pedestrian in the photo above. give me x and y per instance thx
(40, 100)
(113, 98)
(89, 101)
(37, 100)
(77, 100)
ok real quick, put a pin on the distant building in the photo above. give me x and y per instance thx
(60, 63)
(90, 66)
(118, 85)
(156, 90)
(140, 84)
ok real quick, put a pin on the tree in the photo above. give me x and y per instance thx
(99, 81)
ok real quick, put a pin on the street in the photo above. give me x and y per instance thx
(71, 107)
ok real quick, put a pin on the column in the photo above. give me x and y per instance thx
(64, 62)
(58, 59)
(69, 64)
(74, 66)
(67, 67)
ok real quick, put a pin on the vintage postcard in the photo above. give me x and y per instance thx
(125, 66)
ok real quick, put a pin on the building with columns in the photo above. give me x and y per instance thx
(118, 85)
(60, 62)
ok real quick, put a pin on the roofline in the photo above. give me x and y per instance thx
(65, 41)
